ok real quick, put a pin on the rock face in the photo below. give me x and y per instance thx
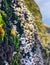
(29, 37)
(30, 46)
(28, 40)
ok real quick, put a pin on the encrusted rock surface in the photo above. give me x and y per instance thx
(29, 44)
(29, 37)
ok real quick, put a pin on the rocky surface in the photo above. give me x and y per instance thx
(30, 46)
(29, 37)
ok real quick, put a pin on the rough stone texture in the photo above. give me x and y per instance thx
(29, 37)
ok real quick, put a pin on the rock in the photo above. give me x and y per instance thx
(6, 63)
(14, 53)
